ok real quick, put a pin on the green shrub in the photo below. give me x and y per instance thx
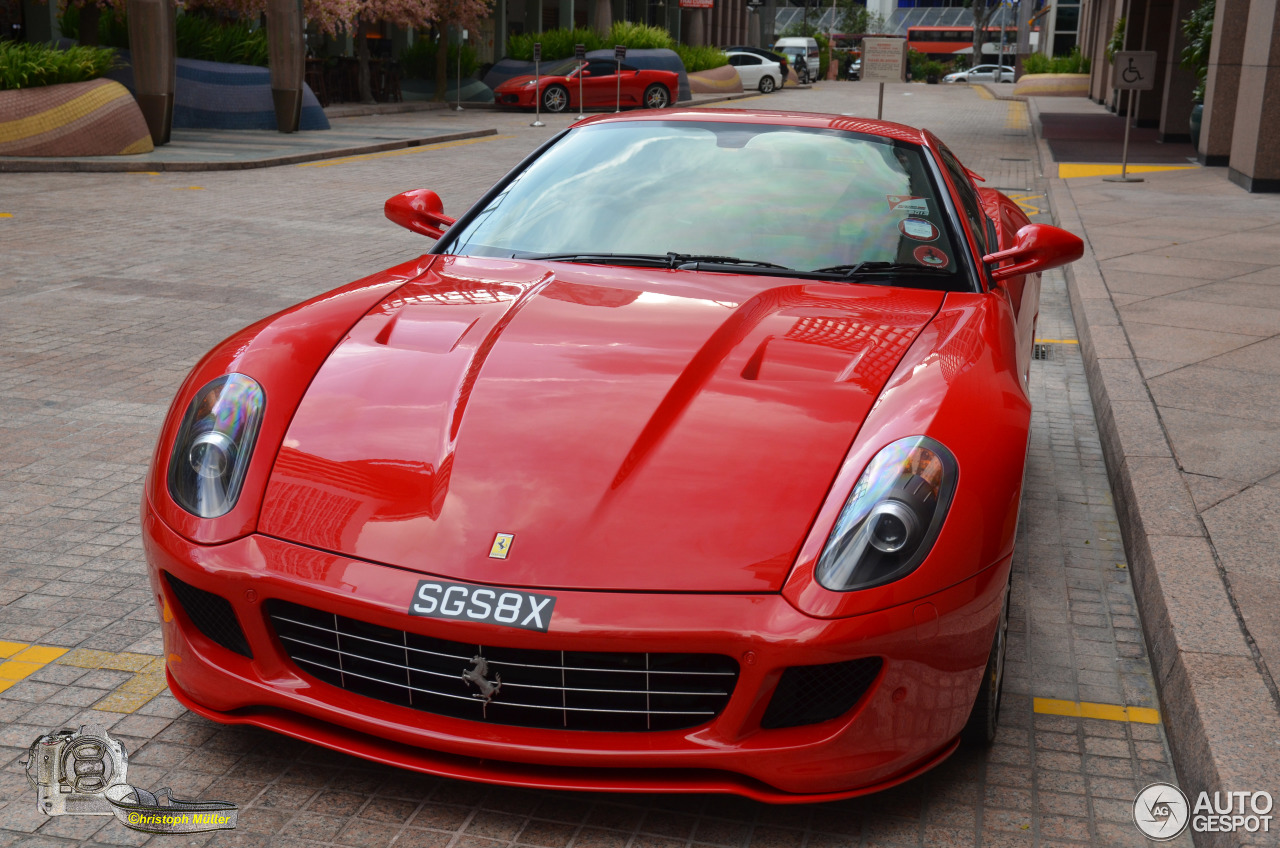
(217, 41)
(1116, 44)
(701, 58)
(1073, 63)
(419, 60)
(33, 65)
(915, 64)
(1198, 28)
(1037, 63)
(556, 43)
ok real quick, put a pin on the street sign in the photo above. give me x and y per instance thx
(884, 60)
(580, 52)
(619, 52)
(697, 4)
(1134, 70)
(537, 51)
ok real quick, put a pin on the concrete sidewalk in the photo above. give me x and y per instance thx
(1177, 303)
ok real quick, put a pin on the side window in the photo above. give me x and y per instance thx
(751, 60)
(736, 61)
(969, 205)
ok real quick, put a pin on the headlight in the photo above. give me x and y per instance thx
(891, 518)
(211, 454)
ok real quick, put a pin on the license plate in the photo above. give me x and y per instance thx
(464, 602)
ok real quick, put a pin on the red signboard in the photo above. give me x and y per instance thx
(697, 4)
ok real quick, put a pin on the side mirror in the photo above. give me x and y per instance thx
(586, 73)
(1037, 247)
(419, 210)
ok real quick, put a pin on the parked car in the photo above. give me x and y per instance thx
(804, 56)
(558, 86)
(756, 71)
(771, 55)
(657, 473)
(981, 73)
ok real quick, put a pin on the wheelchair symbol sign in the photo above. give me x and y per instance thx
(1134, 70)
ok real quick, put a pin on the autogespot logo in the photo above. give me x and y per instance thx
(1161, 811)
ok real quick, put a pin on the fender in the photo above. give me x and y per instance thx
(282, 352)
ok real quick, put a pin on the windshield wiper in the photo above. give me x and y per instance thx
(861, 269)
(675, 261)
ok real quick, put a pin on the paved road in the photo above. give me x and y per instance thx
(111, 286)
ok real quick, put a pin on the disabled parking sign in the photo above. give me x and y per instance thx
(1134, 70)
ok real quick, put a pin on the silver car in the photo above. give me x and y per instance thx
(981, 73)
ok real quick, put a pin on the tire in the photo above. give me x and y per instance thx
(555, 98)
(656, 96)
(980, 730)
(767, 85)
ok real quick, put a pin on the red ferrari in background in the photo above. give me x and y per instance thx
(688, 460)
(603, 83)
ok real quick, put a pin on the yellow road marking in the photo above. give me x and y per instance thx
(6, 214)
(1057, 341)
(146, 173)
(1021, 200)
(22, 660)
(1084, 709)
(982, 92)
(188, 188)
(1069, 170)
(404, 151)
(1017, 117)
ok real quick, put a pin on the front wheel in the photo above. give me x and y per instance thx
(555, 98)
(657, 97)
(980, 730)
(767, 85)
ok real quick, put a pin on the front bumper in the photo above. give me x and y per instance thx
(934, 650)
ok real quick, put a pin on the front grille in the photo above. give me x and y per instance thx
(211, 614)
(575, 690)
(808, 694)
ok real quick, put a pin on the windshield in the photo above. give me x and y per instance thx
(805, 199)
(560, 69)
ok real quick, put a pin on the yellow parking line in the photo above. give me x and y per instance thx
(1017, 116)
(1057, 341)
(6, 214)
(21, 660)
(1021, 200)
(403, 151)
(1107, 712)
(1069, 170)
(982, 92)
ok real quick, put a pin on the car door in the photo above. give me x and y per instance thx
(599, 84)
(982, 73)
(749, 68)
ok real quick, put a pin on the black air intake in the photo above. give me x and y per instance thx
(211, 614)
(808, 694)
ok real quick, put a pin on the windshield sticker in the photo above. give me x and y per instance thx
(907, 203)
(918, 229)
(931, 256)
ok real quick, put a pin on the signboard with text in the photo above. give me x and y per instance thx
(697, 4)
(884, 60)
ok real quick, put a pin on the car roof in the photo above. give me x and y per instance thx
(816, 120)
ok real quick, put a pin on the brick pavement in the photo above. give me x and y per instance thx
(111, 286)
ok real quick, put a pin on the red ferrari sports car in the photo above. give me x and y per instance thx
(688, 459)
(603, 82)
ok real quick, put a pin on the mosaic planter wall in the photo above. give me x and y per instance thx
(722, 80)
(95, 118)
(1052, 85)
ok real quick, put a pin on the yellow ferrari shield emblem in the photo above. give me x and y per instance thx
(501, 545)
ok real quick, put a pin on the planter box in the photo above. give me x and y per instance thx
(95, 118)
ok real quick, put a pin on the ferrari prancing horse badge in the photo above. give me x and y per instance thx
(501, 545)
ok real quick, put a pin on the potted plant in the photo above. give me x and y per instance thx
(1198, 29)
(933, 71)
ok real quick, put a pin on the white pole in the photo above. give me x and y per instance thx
(458, 108)
(537, 96)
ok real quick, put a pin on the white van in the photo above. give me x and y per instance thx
(804, 48)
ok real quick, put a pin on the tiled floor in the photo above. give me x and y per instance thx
(111, 286)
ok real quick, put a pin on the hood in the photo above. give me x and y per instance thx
(634, 429)
(517, 82)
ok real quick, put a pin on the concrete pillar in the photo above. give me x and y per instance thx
(1175, 105)
(770, 14)
(566, 14)
(153, 23)
(1255, 144)
(499, 29)
(533, 15)
(1100, 78)
(1223, 82)
(41, 22)
(1155, 36)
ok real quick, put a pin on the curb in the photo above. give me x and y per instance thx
(110, 164)
(1221, 718)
